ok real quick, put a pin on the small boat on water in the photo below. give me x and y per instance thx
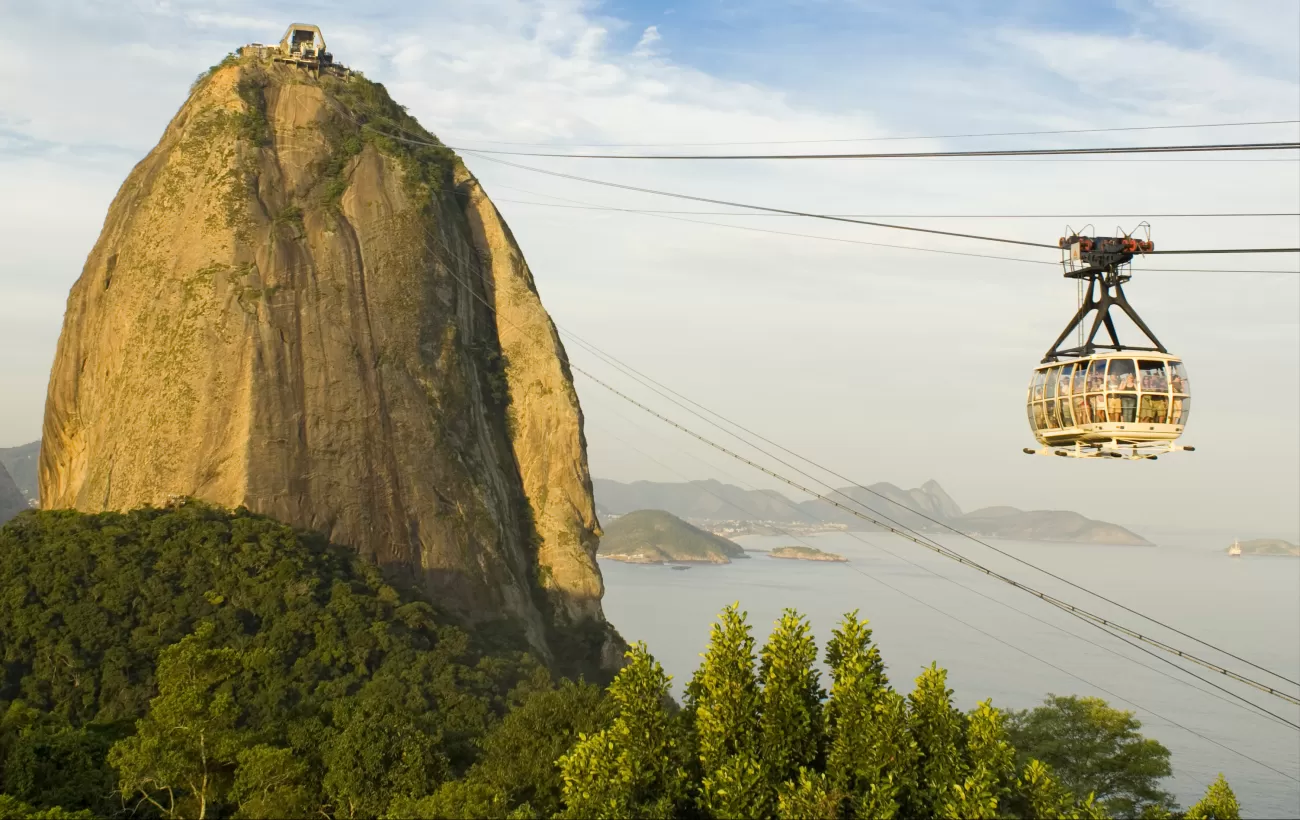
(678, 566)
(1235, 549)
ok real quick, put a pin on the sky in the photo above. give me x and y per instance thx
(883, 363)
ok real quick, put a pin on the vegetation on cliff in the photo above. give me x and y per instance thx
(654, 537)
(296, 306)
(192, 662)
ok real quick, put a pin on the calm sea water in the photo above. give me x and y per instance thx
(936, 610)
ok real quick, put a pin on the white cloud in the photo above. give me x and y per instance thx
(645, 47)
(1159, 80)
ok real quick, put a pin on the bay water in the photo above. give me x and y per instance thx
(999, 642)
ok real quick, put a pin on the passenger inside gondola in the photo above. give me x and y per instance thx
(1096, 375)
(1154, 410)
(1121, 375)
(1153, 377)
(1097, 408)
(1178, 377)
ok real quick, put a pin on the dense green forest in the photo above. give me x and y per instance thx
(194, 662)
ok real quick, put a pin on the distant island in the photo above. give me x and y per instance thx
(658, 537)
(1268, 546)
(806, 554)
(734, 511)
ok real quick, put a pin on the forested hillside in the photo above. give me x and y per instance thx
(192, 662)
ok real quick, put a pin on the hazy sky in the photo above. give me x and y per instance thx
(883, 363)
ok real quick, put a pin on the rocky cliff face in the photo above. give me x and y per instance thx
(292, 311)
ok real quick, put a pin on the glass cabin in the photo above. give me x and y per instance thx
(1109, 397)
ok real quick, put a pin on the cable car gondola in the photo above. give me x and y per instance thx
(1112, 400)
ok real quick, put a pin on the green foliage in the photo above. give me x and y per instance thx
(494, 366)
(937, 729)
(726, 701)
(12, 808)
(519, 754)
(384, 750)
(455, 800)
(253, 125)
(790, 724)
(289, 215)
(193, 662)
(636, 767)
(1094, 749)
(271, 782)
(45, 761)
(990, 766)
(1219, 803)
(373, 118)
(297, 645)
(810, 796)
(871, 754)
(181, 759)
(229, 59)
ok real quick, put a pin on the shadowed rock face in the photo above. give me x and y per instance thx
(290, 312)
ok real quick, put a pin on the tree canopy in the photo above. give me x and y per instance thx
(195, 663)
(232, 660)
(1093, 748)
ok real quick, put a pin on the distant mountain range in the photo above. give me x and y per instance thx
(20, 462)
(927, 508)
(11, 500)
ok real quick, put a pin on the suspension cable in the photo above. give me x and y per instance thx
(901, 138)
(846, 240)
(658, 387)
(1014, 152)
(767, 209)
(1065, 606)
(915, 538)
(1056, 602)
(1253, 707)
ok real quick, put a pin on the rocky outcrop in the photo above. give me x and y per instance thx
(806, 554)
(11, 499)
(292, 309)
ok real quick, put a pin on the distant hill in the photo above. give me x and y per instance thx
(708, 500)
(909, 507)
(11, 500)
(1268, 546)
(655, 536)
(1045, 525)
(927, 508)
(21, 463)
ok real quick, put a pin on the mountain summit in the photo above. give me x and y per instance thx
(301, 303)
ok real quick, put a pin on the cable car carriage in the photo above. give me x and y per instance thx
(1113, 400)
